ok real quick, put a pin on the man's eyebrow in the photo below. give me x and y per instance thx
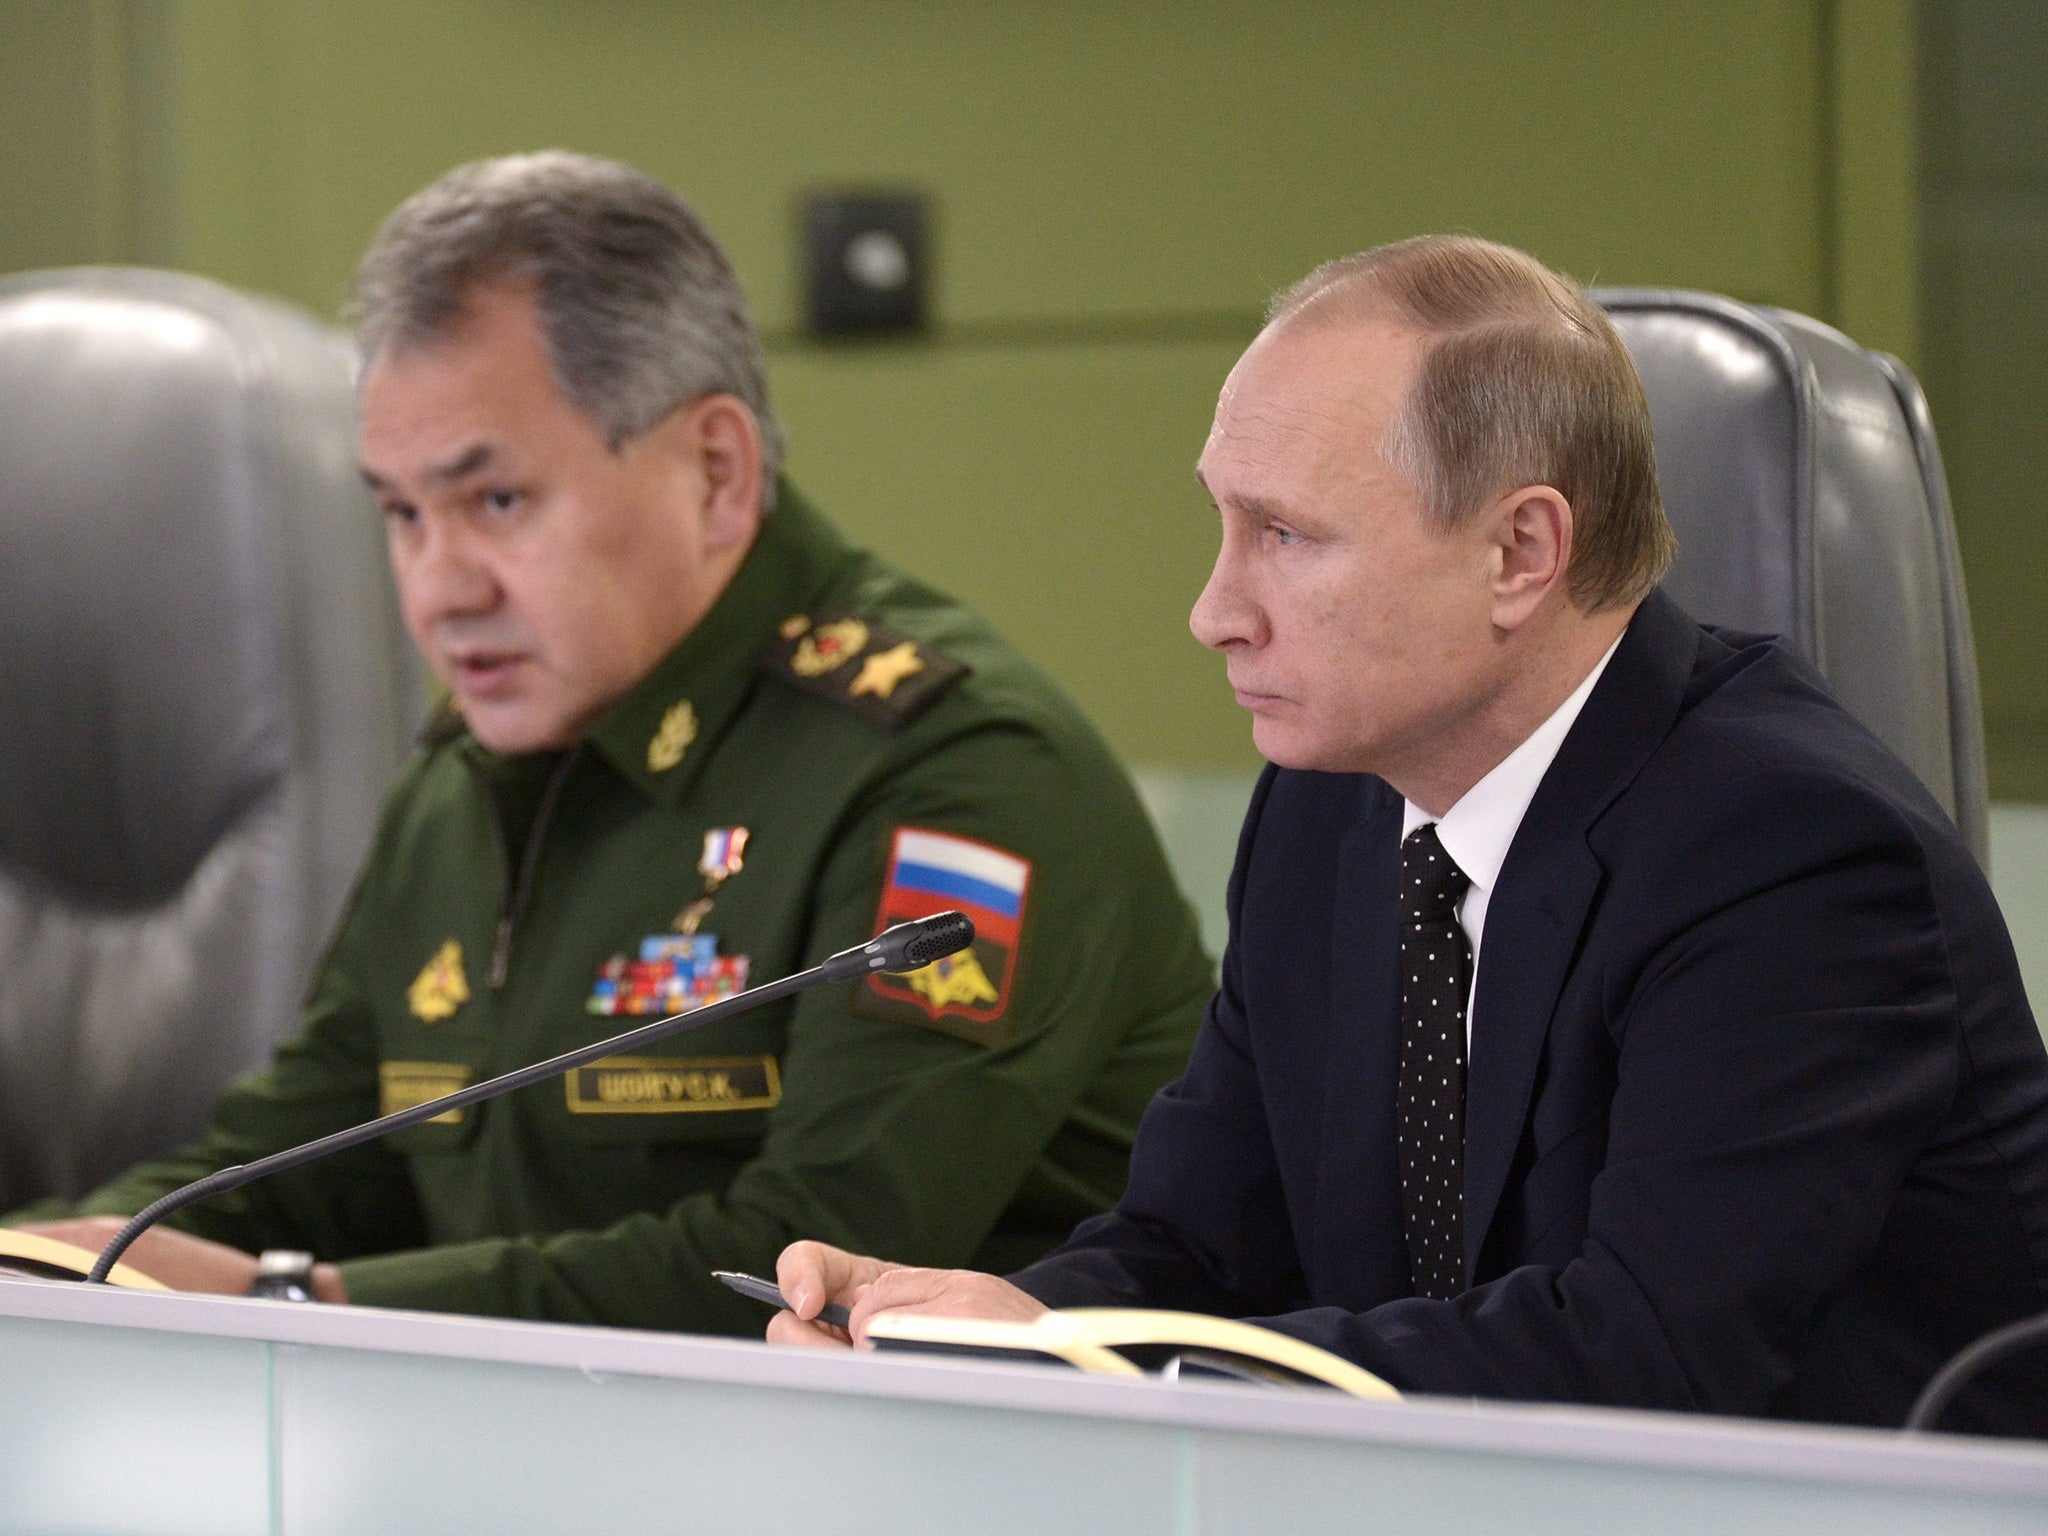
(466, 463)
(1256, 506)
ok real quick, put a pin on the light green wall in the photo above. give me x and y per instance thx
(1119, 185)
(1985, 128)
(1870, 158)
(48, 137)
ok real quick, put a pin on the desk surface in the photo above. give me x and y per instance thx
(137, 1412)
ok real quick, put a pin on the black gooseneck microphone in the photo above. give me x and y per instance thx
(905, 947)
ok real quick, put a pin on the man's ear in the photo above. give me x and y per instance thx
(1530, 542)
(715, 443)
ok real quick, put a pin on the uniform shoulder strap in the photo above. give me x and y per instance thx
(877, 672)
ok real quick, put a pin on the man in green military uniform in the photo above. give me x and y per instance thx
(694, 739)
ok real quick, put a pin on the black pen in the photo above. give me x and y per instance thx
(765, 1290)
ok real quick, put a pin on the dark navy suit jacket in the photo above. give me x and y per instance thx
(1757, 1115)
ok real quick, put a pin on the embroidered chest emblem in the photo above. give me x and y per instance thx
(440, 988)
(672, 738)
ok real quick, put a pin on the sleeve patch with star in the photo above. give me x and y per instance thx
(967, 994)
(875, 671)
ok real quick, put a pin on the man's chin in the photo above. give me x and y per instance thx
(1285, 748)
(512, 732)
(1278, 745)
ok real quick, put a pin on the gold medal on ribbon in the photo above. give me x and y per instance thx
(725, 854)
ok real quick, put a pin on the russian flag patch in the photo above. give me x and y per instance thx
(934, 872)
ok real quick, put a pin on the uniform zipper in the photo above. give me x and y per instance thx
(521, 889)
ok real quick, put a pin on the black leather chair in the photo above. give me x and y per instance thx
(204, 690)
(1801, 474)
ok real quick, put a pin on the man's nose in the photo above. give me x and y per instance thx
(1225, 614)
(442, 574)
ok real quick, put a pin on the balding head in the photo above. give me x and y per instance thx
(1524, 382)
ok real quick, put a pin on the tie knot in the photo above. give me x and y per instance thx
(1431, 881)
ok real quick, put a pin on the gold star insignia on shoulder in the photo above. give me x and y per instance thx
(877, 672)
(672, 737)
(882, 671)
(440, 988)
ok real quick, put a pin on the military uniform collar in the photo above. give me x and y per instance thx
(660, 734)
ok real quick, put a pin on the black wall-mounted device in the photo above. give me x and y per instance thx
(866, 262)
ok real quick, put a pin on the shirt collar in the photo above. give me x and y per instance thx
(1477, 831)
(691, 695)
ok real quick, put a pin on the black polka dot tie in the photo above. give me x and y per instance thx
(1436, 975)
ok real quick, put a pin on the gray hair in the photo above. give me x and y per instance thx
(640, 308)
(1525, 380)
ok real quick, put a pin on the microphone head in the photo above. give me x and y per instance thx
(915, 945)
(906, 947)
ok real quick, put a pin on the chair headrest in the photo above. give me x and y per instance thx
(143, 708)
(1801, 476)
(1725, 392)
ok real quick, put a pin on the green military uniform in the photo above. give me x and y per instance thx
(824, 706)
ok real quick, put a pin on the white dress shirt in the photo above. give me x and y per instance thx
(1477, 830)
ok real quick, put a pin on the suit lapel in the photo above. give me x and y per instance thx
(1357, 1200)
(1532, 934)
(1537, 916)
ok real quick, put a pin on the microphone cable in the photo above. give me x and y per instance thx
(1972, 1361)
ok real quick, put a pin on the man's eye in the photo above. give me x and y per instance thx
(1283, 536)
(400, 512)
(502, 500)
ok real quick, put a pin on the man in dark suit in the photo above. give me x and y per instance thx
(1745, 1111)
